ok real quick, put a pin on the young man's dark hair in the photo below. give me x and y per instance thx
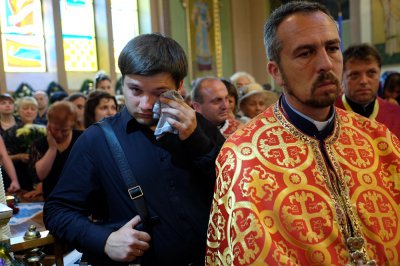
(150, 54)
(361, 52)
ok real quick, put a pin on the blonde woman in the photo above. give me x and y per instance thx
(18, 145)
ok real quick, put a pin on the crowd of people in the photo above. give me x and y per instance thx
(227, 110)
(33, 110)
(241, 174)
(46, 122)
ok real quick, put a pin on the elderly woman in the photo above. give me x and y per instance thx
(254, 100)
(99, 104)
(50, 153)
(240, 79)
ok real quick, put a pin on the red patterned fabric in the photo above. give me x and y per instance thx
(230, 126)
(384, 112)
(274, 203)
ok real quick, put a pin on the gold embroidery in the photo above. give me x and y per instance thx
(343, 254)
(374, 113)
(340, 195)
(389, 174)
(318, 257)
(258, 184)
(348, 179)
(215, 230)
(284, 255)
(319, 179)
(376, 212)
(288, 152)
(295, 179)
(247, 230)
(256, 221)
(297, 217)
(358, 151)
(225, 173)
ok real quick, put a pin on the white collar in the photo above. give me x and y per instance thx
(318, 124)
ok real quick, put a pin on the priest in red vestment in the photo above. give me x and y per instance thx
(361, 76)
(305, 183)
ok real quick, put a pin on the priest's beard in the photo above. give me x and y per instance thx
(319, 101)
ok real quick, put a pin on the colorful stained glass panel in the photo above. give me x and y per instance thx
(125, 24)
(80, 53)
(77, 21)
(22, 36)
(23, 53)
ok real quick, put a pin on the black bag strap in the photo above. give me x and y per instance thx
(134, 189)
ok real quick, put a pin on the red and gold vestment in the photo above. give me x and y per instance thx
(276, 204)
(230, 126)
(384, 112)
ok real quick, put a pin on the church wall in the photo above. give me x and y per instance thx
(179, 32)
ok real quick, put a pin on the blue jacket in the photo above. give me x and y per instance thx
(177, 178)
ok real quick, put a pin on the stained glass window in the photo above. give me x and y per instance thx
(78, 32)
(22, 36)
(124, 24)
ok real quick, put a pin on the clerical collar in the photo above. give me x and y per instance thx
(221, 125)
(306, 124)
(364, 110)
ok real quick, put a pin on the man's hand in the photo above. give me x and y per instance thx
(127, 243)
(186, 117)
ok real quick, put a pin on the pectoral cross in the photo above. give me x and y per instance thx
(357, 257)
